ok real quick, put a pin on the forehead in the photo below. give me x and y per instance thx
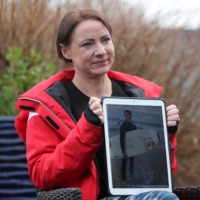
(89, 29)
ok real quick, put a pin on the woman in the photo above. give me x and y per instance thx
(61, 118)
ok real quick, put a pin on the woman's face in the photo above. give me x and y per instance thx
(91, 49)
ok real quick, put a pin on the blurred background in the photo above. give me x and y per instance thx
(156, 40)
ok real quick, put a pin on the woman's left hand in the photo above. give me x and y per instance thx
(172, 115)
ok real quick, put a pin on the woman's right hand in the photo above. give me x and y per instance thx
(96, 107)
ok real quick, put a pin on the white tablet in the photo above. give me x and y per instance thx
(137, 145)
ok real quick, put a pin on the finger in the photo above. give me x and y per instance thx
(173, 118)
(173, 112)
(96, 106)
(98, 112)
(102, 119)
(93, 100)
(171, 107)
(171, 123)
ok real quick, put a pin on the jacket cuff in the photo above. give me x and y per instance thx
(91, 117)
(172, 129)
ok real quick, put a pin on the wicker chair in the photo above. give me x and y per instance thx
(60, 194)
(188, 192)
(184, 193)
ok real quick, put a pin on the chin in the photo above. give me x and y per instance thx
(101, 71)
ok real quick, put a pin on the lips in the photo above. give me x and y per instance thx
(100, 61)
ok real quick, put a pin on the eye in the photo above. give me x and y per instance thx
(106, 39)
(87, 44)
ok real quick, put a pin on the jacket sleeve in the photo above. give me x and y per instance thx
(174, 165)
(55, 162)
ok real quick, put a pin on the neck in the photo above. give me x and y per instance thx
(97, 87)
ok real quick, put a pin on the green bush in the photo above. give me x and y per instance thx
(22, 73)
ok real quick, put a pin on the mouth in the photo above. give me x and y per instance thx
(100, 62)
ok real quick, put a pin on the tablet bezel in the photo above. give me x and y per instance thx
(140, 102)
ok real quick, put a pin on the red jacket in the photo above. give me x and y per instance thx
(60, 152)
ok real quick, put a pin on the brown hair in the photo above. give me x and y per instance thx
(70, 21)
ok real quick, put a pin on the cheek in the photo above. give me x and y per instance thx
(111, 53)
(83, 56)
(111, 50)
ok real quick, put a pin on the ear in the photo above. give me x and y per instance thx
(65, 51)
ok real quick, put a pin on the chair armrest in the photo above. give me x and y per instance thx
(60, 194)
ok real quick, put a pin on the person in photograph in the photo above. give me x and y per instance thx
(61, 118)
(126, 126)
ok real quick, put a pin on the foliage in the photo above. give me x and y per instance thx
(21, 74)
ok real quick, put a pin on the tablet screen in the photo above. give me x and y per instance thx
(137, 146)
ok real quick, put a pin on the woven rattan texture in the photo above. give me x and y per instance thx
(60, 194)
(188, 193)
(184, 193)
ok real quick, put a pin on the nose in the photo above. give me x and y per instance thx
(100, 49)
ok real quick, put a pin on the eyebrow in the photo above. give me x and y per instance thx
(89, 39)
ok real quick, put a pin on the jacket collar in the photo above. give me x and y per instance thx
(150, 89)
